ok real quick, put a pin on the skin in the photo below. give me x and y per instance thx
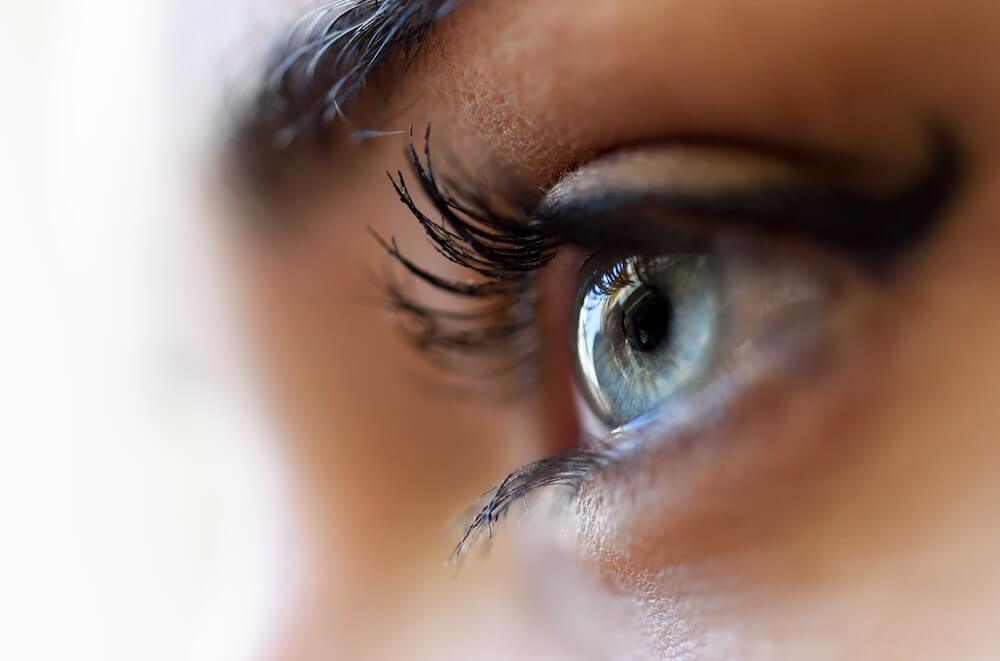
(844, 510)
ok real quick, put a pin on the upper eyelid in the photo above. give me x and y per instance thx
(508, 247)
(874, 228)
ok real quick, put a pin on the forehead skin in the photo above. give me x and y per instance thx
(547, 83)
(892, 551)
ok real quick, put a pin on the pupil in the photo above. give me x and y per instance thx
(646, 319)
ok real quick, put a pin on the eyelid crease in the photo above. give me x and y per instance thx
(872, 228)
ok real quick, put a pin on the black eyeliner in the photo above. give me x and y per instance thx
(874, 229)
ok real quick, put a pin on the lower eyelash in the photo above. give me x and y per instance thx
(569, 470)
(493, 238)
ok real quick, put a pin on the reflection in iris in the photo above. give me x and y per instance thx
(645, 329)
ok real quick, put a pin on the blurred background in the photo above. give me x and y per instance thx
(140, 502)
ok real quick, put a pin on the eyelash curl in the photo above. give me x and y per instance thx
(494, 238)
(569, 470)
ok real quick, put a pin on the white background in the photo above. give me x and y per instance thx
(140, 506)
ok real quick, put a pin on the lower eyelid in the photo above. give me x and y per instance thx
(712, 460)
(684, 486)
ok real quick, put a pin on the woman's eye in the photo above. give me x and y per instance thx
(712, 267)
(650, 331)
(644, 330)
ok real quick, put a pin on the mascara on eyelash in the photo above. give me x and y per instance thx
(568, 470)
(490, 237)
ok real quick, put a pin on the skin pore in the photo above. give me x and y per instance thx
(845, 512)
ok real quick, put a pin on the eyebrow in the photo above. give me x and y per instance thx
(320, 65)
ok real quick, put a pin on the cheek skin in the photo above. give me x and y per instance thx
(365, 428)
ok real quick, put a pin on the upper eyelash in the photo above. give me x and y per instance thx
(491, 237)
(615, 279)
(621, 274)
